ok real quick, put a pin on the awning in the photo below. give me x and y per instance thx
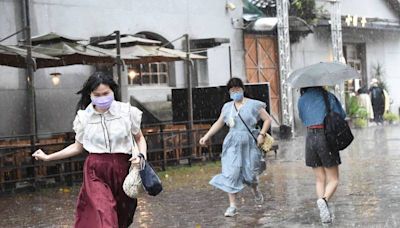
(269, 24)
(208, 42)
(16, 57)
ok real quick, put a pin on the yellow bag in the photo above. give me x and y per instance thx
(268, 142)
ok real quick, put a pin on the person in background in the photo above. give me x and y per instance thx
(378, 100)
(105, 128)
(323, 160)
(364, 100)
(387, 101)
(241, 158)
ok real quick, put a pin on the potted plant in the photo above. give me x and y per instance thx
(358, 115)
(361, 118)
(391, 117)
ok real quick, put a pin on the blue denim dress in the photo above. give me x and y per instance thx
(240, 157)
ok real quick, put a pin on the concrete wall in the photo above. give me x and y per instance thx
(381, 47)
(385, 50)
(84, 19)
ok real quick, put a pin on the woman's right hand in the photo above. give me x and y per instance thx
(203, 140)
(40, 155)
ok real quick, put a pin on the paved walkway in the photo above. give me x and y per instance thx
(368, 194)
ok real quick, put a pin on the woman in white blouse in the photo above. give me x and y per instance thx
(104, 127)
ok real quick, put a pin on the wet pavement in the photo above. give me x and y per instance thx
(368, 194)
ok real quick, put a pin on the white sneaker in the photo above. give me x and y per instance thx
(324, 213)
(230, 212)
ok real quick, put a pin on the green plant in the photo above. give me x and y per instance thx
(304, 9)
(362, 113)
(391, 117)
(379, 72)
(357, 113)
(352, 106)
(360, 122)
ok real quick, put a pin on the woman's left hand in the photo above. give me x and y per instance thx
(260, 140)
(135, 160)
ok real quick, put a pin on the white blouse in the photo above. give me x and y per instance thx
(108, 132)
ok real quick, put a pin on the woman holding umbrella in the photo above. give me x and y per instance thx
(312, 111)
(324, 161)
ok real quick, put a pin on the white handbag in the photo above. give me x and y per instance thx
(132, 182)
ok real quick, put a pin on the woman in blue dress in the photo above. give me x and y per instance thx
(241, 159)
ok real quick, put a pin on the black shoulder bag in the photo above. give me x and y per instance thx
(337, 131)
(151, 182)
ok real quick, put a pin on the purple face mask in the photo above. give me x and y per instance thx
(103, 102)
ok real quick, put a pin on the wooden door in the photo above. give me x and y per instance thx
(262, 65)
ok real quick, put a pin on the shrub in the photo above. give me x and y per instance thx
(360, 122)
(391, 117)
(353, 106)
(362, 113)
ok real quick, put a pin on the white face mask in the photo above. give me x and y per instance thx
(103, 102)
(237, 96)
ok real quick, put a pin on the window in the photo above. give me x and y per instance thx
(148, 74)
(355, 57)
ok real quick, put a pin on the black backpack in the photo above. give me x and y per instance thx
(337, 131)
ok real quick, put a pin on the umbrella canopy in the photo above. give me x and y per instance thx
(70, 52)
(16, 57)
(321, 74)
(53, 37)
(148, 54)
(129, 40)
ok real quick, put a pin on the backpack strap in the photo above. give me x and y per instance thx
(326, 100)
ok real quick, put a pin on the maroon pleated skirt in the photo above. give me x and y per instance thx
(102, 202)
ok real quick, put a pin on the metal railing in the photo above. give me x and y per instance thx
(168, 144)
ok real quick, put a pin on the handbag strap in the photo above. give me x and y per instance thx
(244, 123)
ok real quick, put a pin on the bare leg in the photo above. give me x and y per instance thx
(320, 181)
(232, 199)
(332, 177)
(254, 187)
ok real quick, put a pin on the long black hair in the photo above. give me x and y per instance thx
(91, 84)
(304, 89)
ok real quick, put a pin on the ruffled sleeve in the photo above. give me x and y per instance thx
(136, 119)
(225, 111)
(78, 128)
(259, 105)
